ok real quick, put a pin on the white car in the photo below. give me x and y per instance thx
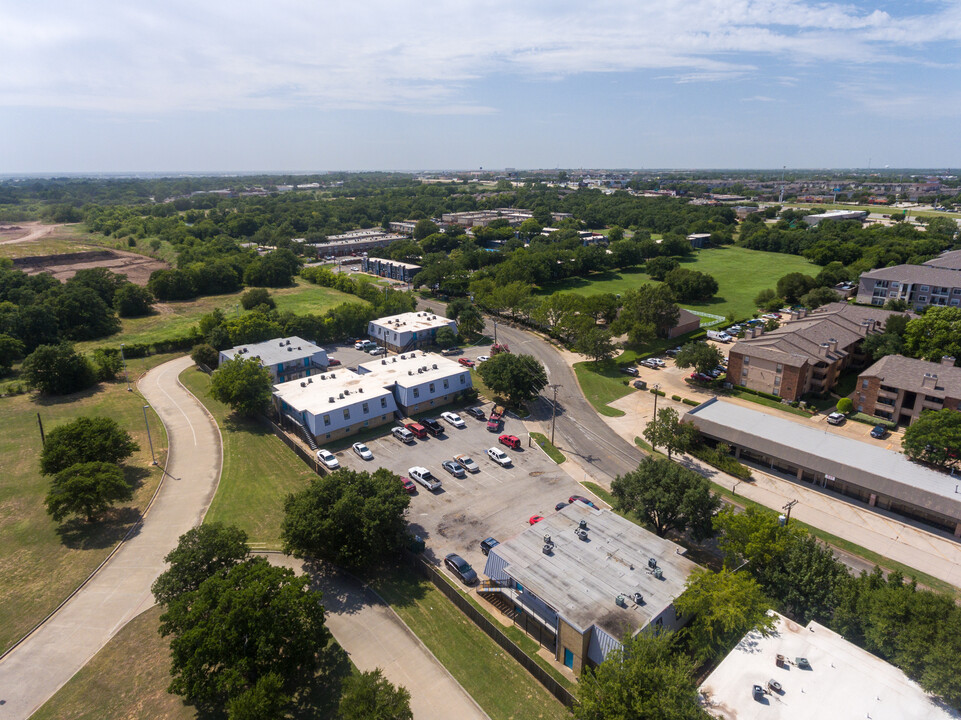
(454, 419)
(422, 475)
(466, 463)
(377, 351)
(649, 363)
(326, 457)
(499, 456)
(658, 362)
(483, 358)
(363, 451)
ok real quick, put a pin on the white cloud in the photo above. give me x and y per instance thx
(139, 58)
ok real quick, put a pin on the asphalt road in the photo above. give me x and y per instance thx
(578, 431)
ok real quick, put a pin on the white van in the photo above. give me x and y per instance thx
(719, 336)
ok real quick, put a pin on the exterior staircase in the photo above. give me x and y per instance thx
(302, 431)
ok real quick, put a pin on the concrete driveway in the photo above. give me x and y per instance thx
(33, 671)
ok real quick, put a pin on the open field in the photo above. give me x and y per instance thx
(174, 319)
(740, 275)
(41, 563)
(34, 238)
(63, 266)
(602, 384)
(499, 684)
(259, 471)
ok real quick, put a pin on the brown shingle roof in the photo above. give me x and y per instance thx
(948, 260)
(908, 373)
(914, 274)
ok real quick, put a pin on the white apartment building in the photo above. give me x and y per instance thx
(408, 331)
(286, 359)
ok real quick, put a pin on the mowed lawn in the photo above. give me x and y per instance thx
(174, 319)
(42, 562)
(740, 275)
(258, 473)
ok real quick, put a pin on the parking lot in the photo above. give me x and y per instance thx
(497, 501)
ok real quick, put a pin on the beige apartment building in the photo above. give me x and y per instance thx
(898, 388)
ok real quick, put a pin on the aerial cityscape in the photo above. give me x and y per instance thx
(482, 362)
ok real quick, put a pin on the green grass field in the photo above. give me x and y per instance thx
(499, 684)
(545, 444)
(258, 473)
(602, 384)
(740, 275)
(176, 318)
(43, 562)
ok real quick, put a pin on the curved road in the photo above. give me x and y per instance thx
(48, 658)
(578, 430)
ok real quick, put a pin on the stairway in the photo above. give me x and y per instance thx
(303, 431)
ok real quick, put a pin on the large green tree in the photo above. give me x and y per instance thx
(519, 378)
(86, 439)
(793, 285)
(243, 384)
(645, 679)
(597, 343)
(935, 437)
(934, 334)
(58, 370)
(701, 356)
(201, 552)
(722, 607)
(371, 696)
(349, 518)
(86, 489)
(11, 350)
(131, 300)
(668, 496)
(242, 626)
(668, 432)
(648, 309)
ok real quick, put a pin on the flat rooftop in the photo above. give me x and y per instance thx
(862, 463)
(844, 682)
(273, 352)
(411, 368)
(325, 393)
(581, 580)
(413, 321)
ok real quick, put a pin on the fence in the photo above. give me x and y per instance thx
(493, 632)
(296, 447)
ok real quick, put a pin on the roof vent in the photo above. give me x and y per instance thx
(403, 357)
(331, 399)
(547, 539)
(548, 548)
(434, 366)
(581, 533)
(393, 359)
(420, 371)
(637, 598)
(383, 362)
(303, 384)
(288, 342)
(341, 396)
(582, 524)
(332, 376)
(290, 349)
(360, 390)
(281, 343)
(323, 377)
(658, 573)
(652, 562)
(410, 372)
(309, 380)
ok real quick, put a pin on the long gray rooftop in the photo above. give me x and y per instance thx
(276, 351)
(862, 463)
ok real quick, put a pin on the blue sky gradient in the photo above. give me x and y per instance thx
(289, 85)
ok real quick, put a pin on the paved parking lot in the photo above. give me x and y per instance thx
(496, 501)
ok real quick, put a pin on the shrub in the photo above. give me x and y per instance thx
(204, 354)
(845, 405)
(676, 398)
(58, 370)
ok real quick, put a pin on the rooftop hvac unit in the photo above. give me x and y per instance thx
(658, 573)
(331, 399)
(652, 562)
(637, 598)
(288, 342)
(620, 600)
(434, 366)
(341, 396)
(303, 384)
(547, 539)
(383, 362)
(323, 377)
(309, 380)
(581, 533)
(548, 548)
(360, 390)
(582, 524)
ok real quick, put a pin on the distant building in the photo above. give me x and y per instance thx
(405, 227)
(813, 220)
(336, 404)
(579, 597)
(806, 354)
(839, 680)
(686, 322)
(936, 282)
(408, 331)
(899, 388)
(860, 470)
(390, 268)
(357, 241)
(286, 359)
(699, 240)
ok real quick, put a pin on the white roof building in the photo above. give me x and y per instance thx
(286, 359)
(408, 331)
(841, 681)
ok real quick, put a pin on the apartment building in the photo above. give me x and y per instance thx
(286, 359)
(808, 353)
(935, 282)
(813, 220)
(408, 331)
(392, 269)
(356, 241)
(419, 381)
(898, 388)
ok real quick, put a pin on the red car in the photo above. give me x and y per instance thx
(511, 441)
(332, 362)
(493, 425)
(409, 486)
(535, 519)
(466, 362)
(419, 430)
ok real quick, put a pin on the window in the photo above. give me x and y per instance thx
(346, 413)
(366, 408)
(956, 291)
(431, 388)
(777, 381)
(924, 288)
(864, 384)
(416, 392)
(326, 419)
(894, 284)
(923, 298)
(780, 368)
(463, 379)
(327, 436)
(744, 372)
(446, 384)
(383, 402)
(365, 423)
(746, 361)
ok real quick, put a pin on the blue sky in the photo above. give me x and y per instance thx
(297, 85)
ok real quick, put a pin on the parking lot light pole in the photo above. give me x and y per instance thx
(153, 458)
(553, 409)
(656, 387)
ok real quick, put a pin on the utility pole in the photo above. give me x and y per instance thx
(553, 409)
(788, 508)
(495, 332)
(124, 361)
(43, 440)
(656, 387)
(153, 458)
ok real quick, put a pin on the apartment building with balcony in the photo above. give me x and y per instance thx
(408, 331)
(289, 358)
(935, 282)
(899, 389)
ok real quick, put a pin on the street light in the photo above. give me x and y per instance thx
(153, 458)
(656, 387)
(553, 408)
(124, 361)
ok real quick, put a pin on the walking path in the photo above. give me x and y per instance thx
(375, 637)
(120, 591)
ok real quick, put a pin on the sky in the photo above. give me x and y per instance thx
(299, 85)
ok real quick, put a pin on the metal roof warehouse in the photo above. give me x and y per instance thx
(881, 478)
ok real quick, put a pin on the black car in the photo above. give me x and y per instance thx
(476, 412)
(433, 427)
(461, 568)
(630, 371)
(878, 432)
(487, 544)
(561, 505)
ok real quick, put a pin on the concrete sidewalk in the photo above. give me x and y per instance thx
(120, 591)
(375, 637)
